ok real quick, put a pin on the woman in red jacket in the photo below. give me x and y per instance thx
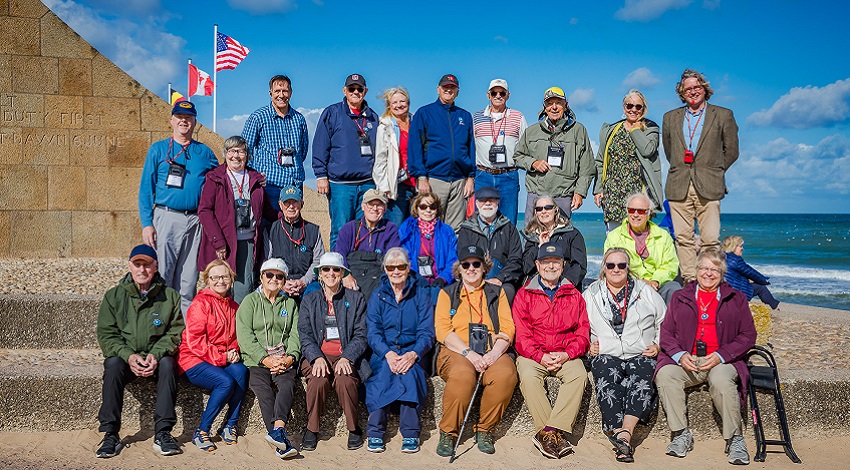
(209, 354)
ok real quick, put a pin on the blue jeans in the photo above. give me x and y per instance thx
(508, 186)
(226, 385)
(408, 420)
(399, 209)
(344, 204)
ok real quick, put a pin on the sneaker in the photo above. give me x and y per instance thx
(110, 446)
(165, 444)
(202, 440)
(681, 444)
(286, 454)
(310, 440)
(563, 445)
(228, 434)
(446, 444)
(375, 444)
(410, 445)
(355, 439)
(546, 441)
(485, 442)
(737, 450)
(277, 438)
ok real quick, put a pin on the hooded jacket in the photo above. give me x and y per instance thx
(210, 331)
(441, 143)
(662, 265)
(280, 324)
(131, 323)
(504, 245)
(572, 242)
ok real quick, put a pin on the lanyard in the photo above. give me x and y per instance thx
(241, 186)
(501, 125)
(480, 309)
(171, 148)
(360, 126)
(693, 131)
(266, 325)
(617, 302)
(425, 243)
(358, 239)
(289, 235)
(703, 308)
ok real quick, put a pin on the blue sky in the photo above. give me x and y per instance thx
(781, 66)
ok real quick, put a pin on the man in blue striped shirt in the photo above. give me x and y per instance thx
(277, 139)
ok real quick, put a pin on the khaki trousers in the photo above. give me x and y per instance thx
(498, 382)
(722, 379)
(684, 213)
(345, 387)
(573, 379)
(454, 204)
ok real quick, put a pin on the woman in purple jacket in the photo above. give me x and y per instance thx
(705, 337)
(233, 204)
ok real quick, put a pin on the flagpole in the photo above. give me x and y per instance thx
(188, 83)
(169, 94)
(215, 72)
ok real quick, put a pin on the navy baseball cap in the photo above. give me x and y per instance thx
(470, 251)
(291, 193)
(449, 79)
(355, 79)
(184, 107)
(143, 253)
(550, 250)
(488, 192)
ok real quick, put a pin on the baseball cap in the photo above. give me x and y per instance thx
(550, 250)
(291, 192)
(355, 79)
(143, 253)
(449, 79)
(184, 107)
(554, 92)
(471, 251)
(374, 194)
(276, 264)
(498, 82)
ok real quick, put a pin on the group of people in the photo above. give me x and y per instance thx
(375, 310)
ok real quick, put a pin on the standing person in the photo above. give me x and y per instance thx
(441, 151)
(557, 155)
(701, 143)
(332, 328)
(343, 153)
(627, 161)
(497, 130)
(169, 193)
(135, 346)
(391, 172)
(277, 139)
(231, 212)
(549, 224)
(744, 277)
(267, 330)
(209, 354)
(552, 334)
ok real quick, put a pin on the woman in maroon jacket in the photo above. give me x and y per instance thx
(233, 204)
(705, 338)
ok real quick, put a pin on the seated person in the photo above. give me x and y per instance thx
(362, 244)
(550, 224)
(552, 333)
(497, 237)
(705, 337)
(744, 277)
(138, 329)
(652, 254)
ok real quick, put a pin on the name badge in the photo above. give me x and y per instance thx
(403, 175)
(331, 333)
(365, 145)
(176, 175)
(498, 154)
(426, 268)
(286, 156)
(555, 157)
(689, 156)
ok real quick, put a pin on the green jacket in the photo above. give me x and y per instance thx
(128, 323)
(578, 169)
(662, 264)
(281, 325)
(646, 143)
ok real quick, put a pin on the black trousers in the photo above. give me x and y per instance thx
(116, 376)
(273, 405)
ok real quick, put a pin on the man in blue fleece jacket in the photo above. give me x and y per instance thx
(441, 151)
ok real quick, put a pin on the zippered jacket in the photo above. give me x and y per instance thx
(441, 143)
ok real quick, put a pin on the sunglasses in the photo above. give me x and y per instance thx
(279, 277)
(326, 269)
(397, 267)
(467, 264)
(547, 207)
(635, 210)
(498, 93)
(636, 106)
(620, 266)
(423, 207)
(358, 89)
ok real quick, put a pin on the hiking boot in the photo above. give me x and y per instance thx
(110, 446)
(545, 442)
(485, 442)
(681, 444)
(355, 439)
(309, 440)
(277, 437)
(375, 444)
(563, 444)
(165, 444)
(202, 440)
(410, 445)
(737, 450)
(228, 434)
(445, 445)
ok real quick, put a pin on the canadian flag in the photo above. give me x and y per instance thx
(199, 82)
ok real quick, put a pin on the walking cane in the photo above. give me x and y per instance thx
(466, 417)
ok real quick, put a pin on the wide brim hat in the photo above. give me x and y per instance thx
(331, 259)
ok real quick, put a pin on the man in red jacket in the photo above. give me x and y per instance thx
(552, 333)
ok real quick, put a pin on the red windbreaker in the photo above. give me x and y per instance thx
(210, 331)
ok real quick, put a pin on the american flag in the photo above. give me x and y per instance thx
(228, 53)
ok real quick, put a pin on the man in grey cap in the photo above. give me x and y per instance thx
(497, 132)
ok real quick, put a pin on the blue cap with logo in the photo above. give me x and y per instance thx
(550, 250)
(184, 107)
(143, 253)
(290, 193)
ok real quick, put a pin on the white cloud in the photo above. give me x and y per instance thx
(233, 125)
(501, 39)
(645, 10)
(133, 7)
(583, 98)
(641, 78)
(263, 7)
(804, 108)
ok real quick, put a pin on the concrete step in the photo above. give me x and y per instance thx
(49, 321)
(46, 389)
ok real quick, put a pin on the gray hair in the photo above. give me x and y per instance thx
(236, 141)
(717, 258)
(395, 254)
(688, 73)
(644, 196)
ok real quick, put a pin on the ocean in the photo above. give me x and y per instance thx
(806, 256)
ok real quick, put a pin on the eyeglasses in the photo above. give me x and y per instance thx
(635, 210)
(620, 266)
(547, 207)
(326, 269)
(218, 278)
(636, 106)
(423, 207)
(237, 152)
(395, 267)
(279, 277)
(376, 206)
(693, 89)
(467, 264)
(498, 93)
(353, 89)
(710, 269)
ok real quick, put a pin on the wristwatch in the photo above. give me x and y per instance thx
(465, 352)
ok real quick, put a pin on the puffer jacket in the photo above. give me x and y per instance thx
(662, 265)
(739, 275)
(210, 331)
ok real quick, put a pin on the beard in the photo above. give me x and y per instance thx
(488, 213)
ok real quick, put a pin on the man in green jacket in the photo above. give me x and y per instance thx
(138, 329)
(556, 155)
